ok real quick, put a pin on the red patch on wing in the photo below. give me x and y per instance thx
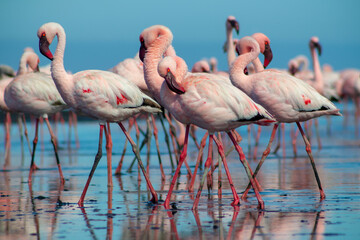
(306, 100)
(87, 90)
(121, 100)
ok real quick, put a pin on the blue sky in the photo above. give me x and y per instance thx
(93, 25)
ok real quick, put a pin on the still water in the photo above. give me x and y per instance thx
(292, 206)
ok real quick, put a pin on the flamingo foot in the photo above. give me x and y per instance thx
(236, 202)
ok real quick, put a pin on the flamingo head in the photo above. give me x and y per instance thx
(314, 43)
(46, 35)
(150, 36)
(167, 69)
(265, 49)
(232, 23)
(293, 69)
(32, 60)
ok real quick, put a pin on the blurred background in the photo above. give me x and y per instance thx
(102, 33)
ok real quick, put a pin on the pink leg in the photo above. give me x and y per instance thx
(119, 167)
(7, 140)
(26, 133)
(308, 150)
(181, 160)
(219, 165)
(206, 170)
(248, 171)
(157, 147)
(109, 145)
(96, 162)
(264, 155)
(200, 154)
(257, 141)
(35, 141)
(283, 139)
(317, 133)
(222, 154)
(136, 152)
(54, 143)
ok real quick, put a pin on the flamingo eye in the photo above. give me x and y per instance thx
(266, 43)
(168, 70)
(141, 39)
(43, 34)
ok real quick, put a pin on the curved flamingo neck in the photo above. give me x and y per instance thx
(258, 65)
(237, 75)
(63, 81)
(318, 78)
(23, 65)
(230, 46)
(152, 58)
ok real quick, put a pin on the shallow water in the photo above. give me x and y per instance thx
(292, 206)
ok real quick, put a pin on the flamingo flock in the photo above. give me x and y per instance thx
(158, 82)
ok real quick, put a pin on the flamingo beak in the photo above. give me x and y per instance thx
(318, 47)
(142, 51)
(268, 55)
(173, 86)
(293, 70)
(44, 47)
(246, 72)
(235, 25)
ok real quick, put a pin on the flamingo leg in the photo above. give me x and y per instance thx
(219, 170)
(156, 136)
(181, 160)
(248, 170)
(54, 143)
(167, 142)
(264, 155)
(75, 121)
(257, 141)
(200, 154)
(26, 133)
(119, 167)
(136, 152)
(7, 140)
(222, 154)
(109, 145)
(35, 141)
(309, 152)
(96, 162)
(148, 143)
(19, 121)
(206, 171)
(278, 143)
(317, 133)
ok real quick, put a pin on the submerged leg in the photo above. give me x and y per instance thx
(35, 141)
(136, 152)
(96, 162)
(181, 160)
(54, 143)
(308, 150)
(246, 165)
(264, 155)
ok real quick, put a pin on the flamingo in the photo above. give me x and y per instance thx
(200, 99)
(103, 95)
(35, 93)
(201, 66)
(287, 98)
(229, 47)
(27, 59)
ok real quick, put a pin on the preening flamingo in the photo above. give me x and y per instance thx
(287, 98)
(35, 93)
(201, 99)
(103, 95)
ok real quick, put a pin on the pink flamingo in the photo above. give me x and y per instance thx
(27, 59)
(100, 94)
(287, 98)
(201, 66)
(201, 99)
(229, 47)
(35, 93)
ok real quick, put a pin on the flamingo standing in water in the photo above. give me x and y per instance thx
(287, 98)
(35, 93)
(103, 95)
(201, 99)
(28, 62)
